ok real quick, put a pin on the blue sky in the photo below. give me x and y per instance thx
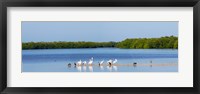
(95, 31)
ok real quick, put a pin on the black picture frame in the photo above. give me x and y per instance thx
(99, 3)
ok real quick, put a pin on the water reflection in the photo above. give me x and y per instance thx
(90, 68)
(109, 68)
(115, 68)
(84, 68)
(101, 68)
(78, 68)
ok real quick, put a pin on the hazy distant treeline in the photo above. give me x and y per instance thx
(135, 43)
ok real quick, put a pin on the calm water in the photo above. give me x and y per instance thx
(57, 60)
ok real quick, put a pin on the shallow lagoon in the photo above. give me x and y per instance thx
(57, 60)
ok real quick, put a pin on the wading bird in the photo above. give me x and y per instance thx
(134, 64)
(84, 63)
(109, 62)
(69, 65)
(79, 63)
(115, 61)
(100, 63)
(90, 61)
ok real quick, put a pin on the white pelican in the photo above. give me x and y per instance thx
(110, 62)
(115, 61)
(84, 62)
(100, 63)
(90, 61)
(79, 63)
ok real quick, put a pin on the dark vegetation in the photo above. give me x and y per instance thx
(148, 43)
(167, 42)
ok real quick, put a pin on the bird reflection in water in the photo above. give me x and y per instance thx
(115, 68)
(90, 68)
(84, 68)
(101, 68)
(78, 68)
(151, 63)
(109, 68)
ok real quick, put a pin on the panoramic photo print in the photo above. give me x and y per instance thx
(99, 46)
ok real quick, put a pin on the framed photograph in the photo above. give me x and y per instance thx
(105, 46)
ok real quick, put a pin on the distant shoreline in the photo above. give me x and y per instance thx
(167, 42)
(105, 48)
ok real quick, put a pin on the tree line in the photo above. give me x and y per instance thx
(60, 45)
(167, 42)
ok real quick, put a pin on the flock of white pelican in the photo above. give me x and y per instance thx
(110, 64)
(90, 62)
